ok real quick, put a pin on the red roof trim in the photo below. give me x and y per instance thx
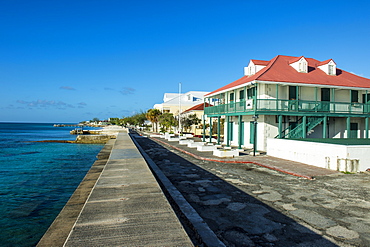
(295, 59)
(199, 107)
(325, 62)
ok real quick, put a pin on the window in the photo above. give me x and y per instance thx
(331, 69)
(293, 93)
(251, 92)
(302, 66)
(241, 95)
(231, 96)
(251, 70)
(325, 94)
(354, 96)
(365, 98)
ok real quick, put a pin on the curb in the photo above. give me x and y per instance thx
(235, 161)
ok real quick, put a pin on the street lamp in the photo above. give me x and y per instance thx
(255, 117)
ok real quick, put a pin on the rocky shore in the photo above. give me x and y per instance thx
(93, 137)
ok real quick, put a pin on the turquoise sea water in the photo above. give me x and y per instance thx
(37, 179)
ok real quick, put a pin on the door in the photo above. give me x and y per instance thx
(353, 130)
(325, 99)
(293, 98)
(293, 93)
(231, 131)
(241, 133)
(252, 131)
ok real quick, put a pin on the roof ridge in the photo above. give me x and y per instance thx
(325, 62)
(296, 59)
(267, 68)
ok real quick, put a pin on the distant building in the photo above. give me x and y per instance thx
(172, 102)
(198, 110)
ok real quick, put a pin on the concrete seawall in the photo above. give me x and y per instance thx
(59, 230)
(119, 202)
(94, 139)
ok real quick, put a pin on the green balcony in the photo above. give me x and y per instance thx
(299, 107)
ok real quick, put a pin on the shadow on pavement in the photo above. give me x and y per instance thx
(237, 218)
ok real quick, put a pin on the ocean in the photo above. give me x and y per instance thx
(37, 178)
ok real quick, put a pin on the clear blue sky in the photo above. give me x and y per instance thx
(73, 60)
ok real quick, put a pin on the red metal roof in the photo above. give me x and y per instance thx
(199, 107)
(324, 62)
(279, 70)
(295, 59)
(260, 62)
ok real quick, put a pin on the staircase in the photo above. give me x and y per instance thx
(297, 132)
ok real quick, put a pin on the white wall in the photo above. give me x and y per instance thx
(318, 154)
(342, 95)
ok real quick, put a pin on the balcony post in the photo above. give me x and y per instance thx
(218, 130)
(277, 97)
(204, 128)
(316, 99)
(280, 125)
(304, 127)
(324, 128)
(366, 106)
(367, 127)
(234, 102)
(227, 100)
(333, 99)
(245, 98)
(210, 129)
(255, 99)
(228, 131)
(348, 126)
(240, 131)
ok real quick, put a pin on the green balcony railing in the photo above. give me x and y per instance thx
(273, 105)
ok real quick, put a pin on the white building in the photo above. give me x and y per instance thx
(292, 98)
(172, 102)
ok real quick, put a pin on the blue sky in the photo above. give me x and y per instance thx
(69, 61)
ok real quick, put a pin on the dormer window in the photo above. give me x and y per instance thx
(251, 69)
(254, 66)
(299, 64)
(328, 66)
(303, 66)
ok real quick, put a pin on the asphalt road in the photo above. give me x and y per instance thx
(249, 205)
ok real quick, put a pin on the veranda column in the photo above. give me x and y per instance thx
(324, 128)
(228, 131)
(210, 129)
(218, 130)
(348, 126)
(204, 128)
(367, 127)
(240, 132)
(304, 127)
(280, 125)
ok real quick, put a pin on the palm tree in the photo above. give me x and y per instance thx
(153, 116)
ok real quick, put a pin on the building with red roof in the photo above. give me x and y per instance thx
(291, 97)
(198, 111)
